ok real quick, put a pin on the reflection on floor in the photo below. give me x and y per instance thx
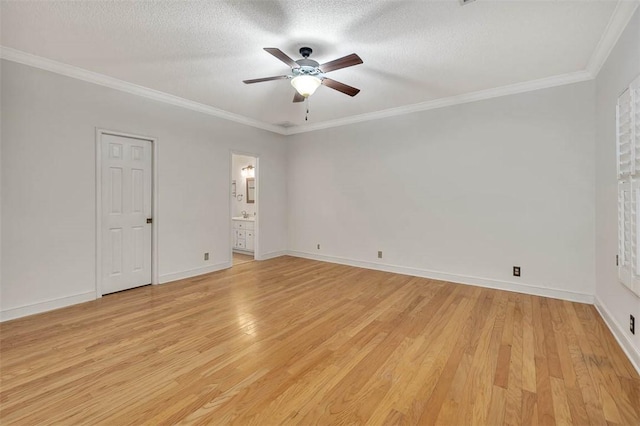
(241, 258)
(320, 343)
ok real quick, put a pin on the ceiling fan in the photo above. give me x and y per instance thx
(307, 74)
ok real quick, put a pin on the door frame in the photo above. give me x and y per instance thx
(154, 203)
(256, 236)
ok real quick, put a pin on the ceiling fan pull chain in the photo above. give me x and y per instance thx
(306, 117)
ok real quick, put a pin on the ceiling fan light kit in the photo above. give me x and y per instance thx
(307, 75)
(306, 85)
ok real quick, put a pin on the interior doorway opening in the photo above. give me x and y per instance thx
(244, 208)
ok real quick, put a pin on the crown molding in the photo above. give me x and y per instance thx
(123, 86)
(620, 17)
(511, 89)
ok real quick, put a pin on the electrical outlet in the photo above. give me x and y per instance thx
(318, 246)
(206, 256)
(516, 271)
(632, 324)
(379, 255)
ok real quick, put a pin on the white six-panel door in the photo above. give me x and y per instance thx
(126, 206)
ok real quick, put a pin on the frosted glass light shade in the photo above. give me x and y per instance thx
(306, 85)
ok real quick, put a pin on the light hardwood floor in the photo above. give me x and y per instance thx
(298, 341)
(239, 258)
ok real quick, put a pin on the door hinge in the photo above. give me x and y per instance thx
(617, 261)
(149, 220)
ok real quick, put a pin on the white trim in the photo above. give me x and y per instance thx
(512, 89)
(155, 211)
(273, 254)
(48, 305)
(154, 204)
(230, 229)
(114, 83)
(98, 224)
(175, 276)
(103, 80)
(256, 195)
(619, 333)
(455, 278)
(617, 23)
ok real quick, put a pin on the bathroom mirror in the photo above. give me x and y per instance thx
(251, 190)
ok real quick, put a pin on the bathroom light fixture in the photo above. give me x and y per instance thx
(306, 84)
(249, 171)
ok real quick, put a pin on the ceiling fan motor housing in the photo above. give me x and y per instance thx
(307, 67)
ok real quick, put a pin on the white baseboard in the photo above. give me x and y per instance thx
(175, 276)
(619, 333)
(49, 305)
(455, 278)
(272, 255)
(62, 302)
(240, 251)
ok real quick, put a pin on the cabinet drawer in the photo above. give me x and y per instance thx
(241, 224)
(241, 233)
(241, 244)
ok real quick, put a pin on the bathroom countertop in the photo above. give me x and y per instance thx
(248, 219)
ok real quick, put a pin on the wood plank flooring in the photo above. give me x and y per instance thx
(303, 342)
(239, 258)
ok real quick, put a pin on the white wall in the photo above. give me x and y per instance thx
(1, 133)
(238, 206)
(614, 300)
(461, 193)
(48, 185)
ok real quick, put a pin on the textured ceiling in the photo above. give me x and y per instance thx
(413, 51)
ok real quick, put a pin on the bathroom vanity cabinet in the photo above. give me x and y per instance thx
(243, 234)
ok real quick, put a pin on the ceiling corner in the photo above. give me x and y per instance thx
(617, 23)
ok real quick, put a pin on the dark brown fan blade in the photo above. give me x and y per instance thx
(298, 97)
(282, 56)
(340, 87)
(260, 80)
(347, 61)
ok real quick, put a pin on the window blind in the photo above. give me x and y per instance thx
(628, 169)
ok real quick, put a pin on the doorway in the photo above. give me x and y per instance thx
(244, 208)
(124, 185)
